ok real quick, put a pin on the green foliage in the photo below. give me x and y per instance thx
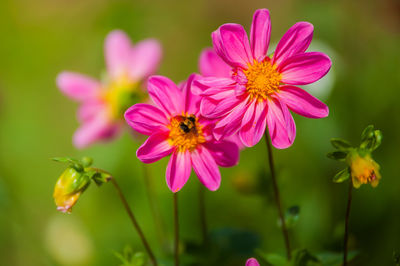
(337, 155)
(129, 258)
(341, 144)
(292, 216)
(342, 175)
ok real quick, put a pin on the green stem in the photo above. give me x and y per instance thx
(176, 229)
(277, 195)
(134, 222)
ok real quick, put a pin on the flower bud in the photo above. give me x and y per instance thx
(70, 185)
(364, 170)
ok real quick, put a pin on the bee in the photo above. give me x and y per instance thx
(188, 124)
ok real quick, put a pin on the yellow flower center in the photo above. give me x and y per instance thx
(364, 170)
(120, 95)
(262, 79)
(185, 132)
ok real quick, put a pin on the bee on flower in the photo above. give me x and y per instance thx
(176, 128)
(260, 89)
(103, 103)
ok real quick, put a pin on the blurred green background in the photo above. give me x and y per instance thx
(43, 37)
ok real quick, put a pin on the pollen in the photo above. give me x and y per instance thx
(185, 132)
(262, 79)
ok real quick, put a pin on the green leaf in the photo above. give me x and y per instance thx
(304, 258)
(329, 258)
(378, 139)
(337, 155)
(65, 160)
(341, 144)
(342, 176)
(274, 259)
(292, 216)
(367, 133)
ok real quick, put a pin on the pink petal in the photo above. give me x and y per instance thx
(296, 40)
(219, 104)
(282, 128)
(206, 168)
(118, 51)
(305, 68)
(252, 262)
(225, 153)
(146, 119)
(97, 129)
(253, 124)
(166, 95)
(232, 45)
(192, 101)
(230, 124)
(154, 148)
(210, 64)
(78, 87)
(260, 34)
(178, 170)
(302, 103)
(90, 109)
(146, 59)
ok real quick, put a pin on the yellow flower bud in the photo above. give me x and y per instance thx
(69, 187)
(364, 170)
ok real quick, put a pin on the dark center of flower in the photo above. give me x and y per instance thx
(185, 132)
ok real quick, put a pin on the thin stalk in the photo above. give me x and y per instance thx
(154, 207)
(134, 222)
(202, 214)
(346, 224)
(277, 195)
(176, 228)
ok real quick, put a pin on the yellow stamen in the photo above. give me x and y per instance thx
(185, 132)
(262, 79)
(364, 170)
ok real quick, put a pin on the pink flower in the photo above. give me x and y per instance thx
(210, 64)
(259, 89)
(103, 103)
(175, 128)
(252, 262)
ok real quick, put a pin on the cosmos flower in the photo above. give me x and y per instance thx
(260, 89)
(104, 103)
(175, 127)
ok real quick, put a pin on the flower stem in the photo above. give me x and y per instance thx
(203, 218)
(176, 228)
(134, 222)
(346, 224)
(277, 195)
(155, 210)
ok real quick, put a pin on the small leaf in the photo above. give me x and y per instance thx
(304, 258)
(65, 160)
(367, 133)
(341, 144)
(329, 258)
(337, 155)
(342, 176)
(378, 139)
(292, 216)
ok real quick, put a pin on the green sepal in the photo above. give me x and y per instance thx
(73, 162)
(337, 155)
(86, 161)
(341, 144)
(367, 133)
(98, 176)
(373, 142)
(292, 216)
(342, 176)
(80, 180)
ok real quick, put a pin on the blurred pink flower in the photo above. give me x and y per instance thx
(210, 64)
(103, 103)
(252, 262)
(176, 128)
(259, 91)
